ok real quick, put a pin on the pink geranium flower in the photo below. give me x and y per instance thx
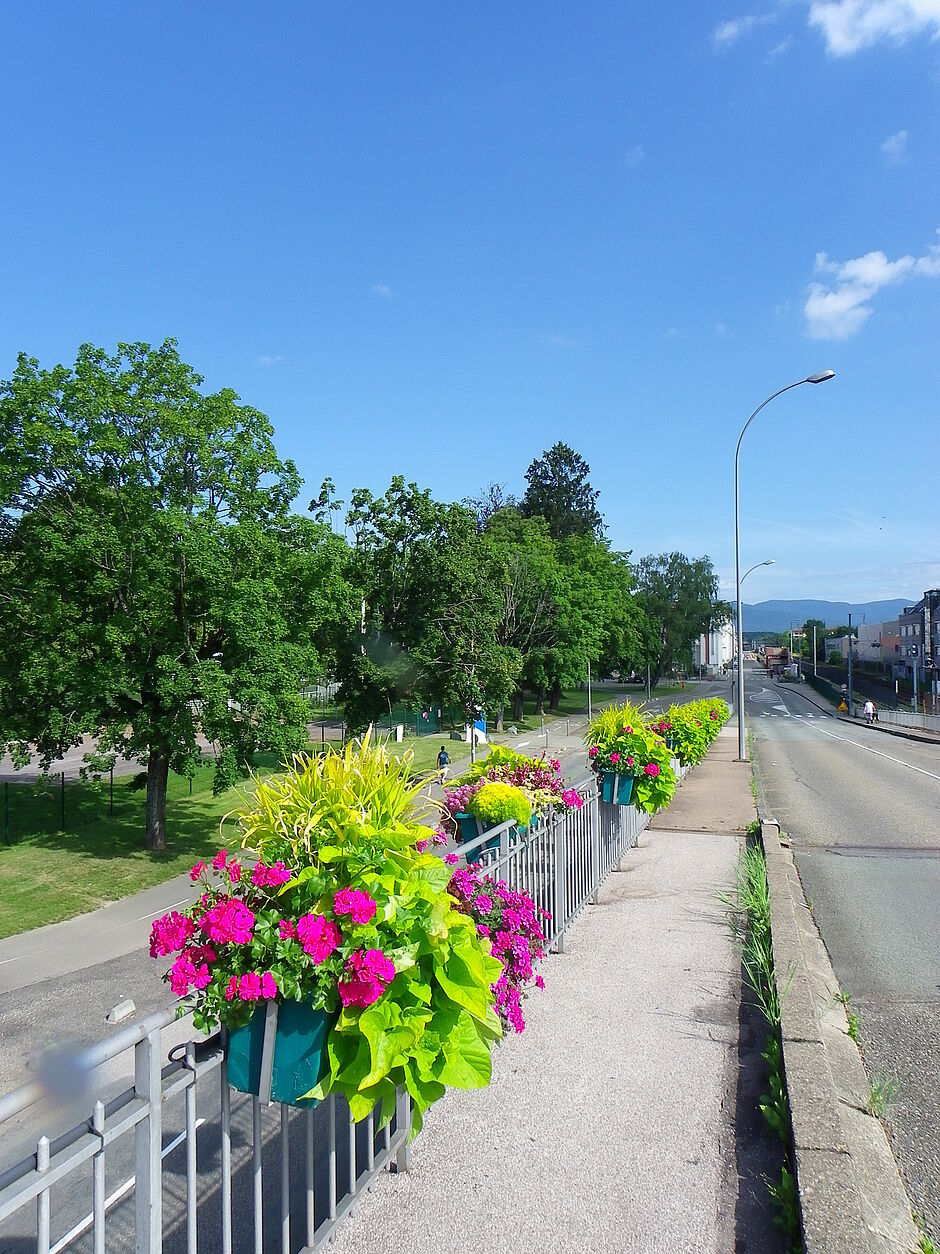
(366, 976)
(197, 871)
(169, 933)
(220, 859)
(228, 922)
(318, 936)
(357, 904)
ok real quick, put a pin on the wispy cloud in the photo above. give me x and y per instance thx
(779, 49)
(838, 308)
(382, 290)
(850, 25)
(269, 359)
(894, 148)
(633, 156)
(727, 33)
(559, 339)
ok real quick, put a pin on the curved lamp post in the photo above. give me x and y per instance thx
(821, 377)
(768, 562)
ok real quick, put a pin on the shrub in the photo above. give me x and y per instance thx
(497, 803)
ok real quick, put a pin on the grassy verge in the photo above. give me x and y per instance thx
(748, 908)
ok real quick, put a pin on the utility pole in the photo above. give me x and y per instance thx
(815, 672)
(850, 665)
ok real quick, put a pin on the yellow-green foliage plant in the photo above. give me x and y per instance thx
(619, 740)
(350, 826)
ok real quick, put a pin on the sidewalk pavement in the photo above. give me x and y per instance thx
(610, 1124)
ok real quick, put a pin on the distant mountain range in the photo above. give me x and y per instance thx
(781, 615)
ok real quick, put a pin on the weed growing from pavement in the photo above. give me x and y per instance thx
(854, 1028)
(748, 912)
(883, 1091)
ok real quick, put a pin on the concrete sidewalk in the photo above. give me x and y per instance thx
(610, 1123)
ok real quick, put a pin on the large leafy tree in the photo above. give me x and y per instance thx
(427, 631)
(679, 597)
(560, 492)
(156, 588)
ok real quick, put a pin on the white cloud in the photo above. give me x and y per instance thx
(779, 49)
(837, 309)
(268, 359)
(727, 33)
(381, 290)
(849, 25)
(559, 339)
(894, 148)
(634, 155)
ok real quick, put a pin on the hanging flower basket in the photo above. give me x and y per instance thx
(280, 1054)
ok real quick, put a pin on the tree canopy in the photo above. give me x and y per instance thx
(559, 491)
(156, 587)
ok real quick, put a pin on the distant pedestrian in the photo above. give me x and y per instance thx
(443, 761)
(869, 711)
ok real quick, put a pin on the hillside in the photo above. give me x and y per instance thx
(780, 615)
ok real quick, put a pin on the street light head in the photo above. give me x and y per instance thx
(770, 561)
(821, 377)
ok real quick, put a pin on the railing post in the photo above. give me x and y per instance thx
(594, 845)
(559, 827)
(148, 1144)
(403, 1121)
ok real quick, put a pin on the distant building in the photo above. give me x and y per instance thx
(868, 644)
(919, 637)
(891, 645)
(715, 650)
(840, 645)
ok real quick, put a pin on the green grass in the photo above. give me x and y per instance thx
(883, 1092)
(50, 875)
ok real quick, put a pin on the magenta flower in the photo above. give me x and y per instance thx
(197, 871)
(439, 838)
(249, 986)
(268, 985)
(286, 930)
(169, 933)
(651, 768)
(572, 799)
(421, 845)
(615, 757)
(220, 859)
(228, 922)
(592, 752)
(270, 876)
(451, 859)
(234, 872)
(357, 904)
(483, 903)
(366, 976)
(318, 936)
(231, 988)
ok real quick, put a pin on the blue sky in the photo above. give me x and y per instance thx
(433, 239)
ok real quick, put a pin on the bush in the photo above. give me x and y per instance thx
(497, 803)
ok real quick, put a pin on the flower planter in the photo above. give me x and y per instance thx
(670, 742)
(280, 1054)
(470, 829)
(613, 785)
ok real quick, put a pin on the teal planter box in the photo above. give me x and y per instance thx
(299, 1052)
(470, 829)
(670, 742)
(624, 788)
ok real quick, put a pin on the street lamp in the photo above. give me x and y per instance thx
(821, 377)
(767, 562)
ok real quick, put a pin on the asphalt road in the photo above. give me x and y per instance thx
(862, 809)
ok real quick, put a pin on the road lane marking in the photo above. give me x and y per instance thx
(868, 749)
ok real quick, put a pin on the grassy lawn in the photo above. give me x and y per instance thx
(49, 875)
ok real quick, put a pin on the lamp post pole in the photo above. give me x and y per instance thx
(821, 377)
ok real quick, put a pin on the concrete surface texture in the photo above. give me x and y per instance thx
(609, 1124)
(716, 797)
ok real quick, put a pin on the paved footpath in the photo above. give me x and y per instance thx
(610, 1123)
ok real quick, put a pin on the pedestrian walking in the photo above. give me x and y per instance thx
(443, 761)
(869, 711)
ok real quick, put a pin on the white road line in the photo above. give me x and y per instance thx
(868, 749)
(140, 918)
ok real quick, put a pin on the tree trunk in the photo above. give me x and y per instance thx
(158, 770)
(555, 699)
(517, 706)
(540, 703)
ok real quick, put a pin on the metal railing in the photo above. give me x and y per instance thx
(177, 1160)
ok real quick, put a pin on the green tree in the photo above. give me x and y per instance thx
(806, 644)
(429, 610)
(156, 587)
(559, 491)
(680, 601)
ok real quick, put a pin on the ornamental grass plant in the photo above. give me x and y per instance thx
(619, 740)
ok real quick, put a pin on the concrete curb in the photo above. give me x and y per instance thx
(851, 1197)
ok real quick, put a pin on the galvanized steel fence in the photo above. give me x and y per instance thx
(170, 1158)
